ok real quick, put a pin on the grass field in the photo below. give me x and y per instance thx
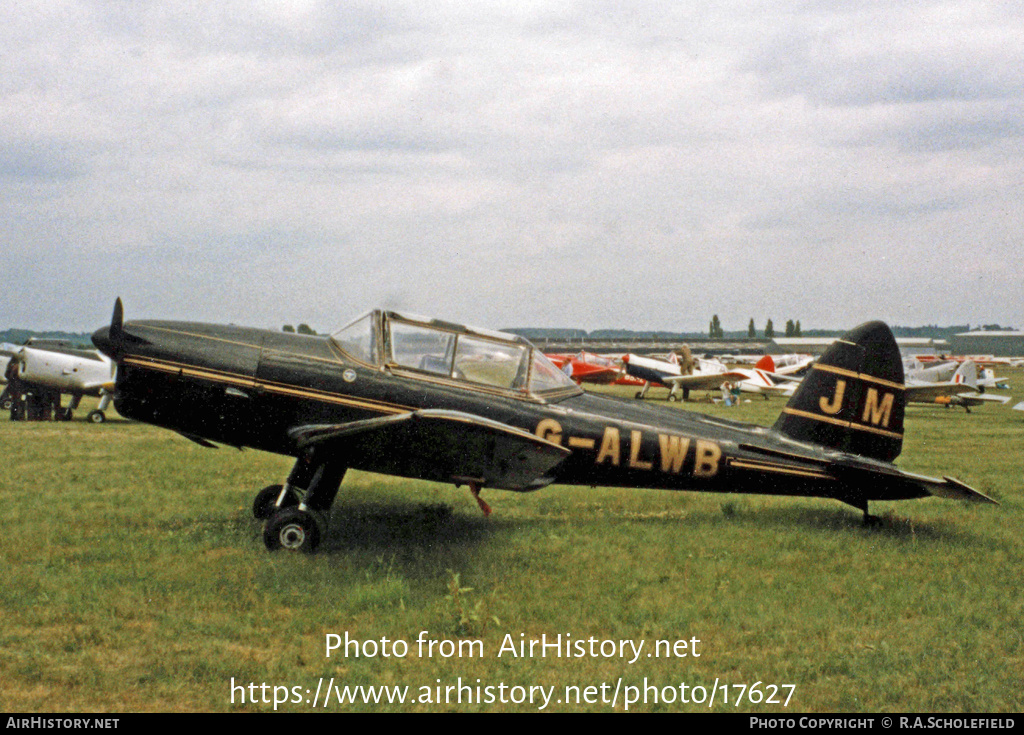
(133, 578)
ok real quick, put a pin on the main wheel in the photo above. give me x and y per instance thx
(292, 529)
(96, 417)
(265, 502)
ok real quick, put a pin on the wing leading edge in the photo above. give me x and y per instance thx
(439, 445)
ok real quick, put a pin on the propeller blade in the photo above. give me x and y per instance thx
(109, 339)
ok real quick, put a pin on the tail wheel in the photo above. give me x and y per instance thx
(294, 530)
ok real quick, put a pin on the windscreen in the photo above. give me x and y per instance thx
(357, 339)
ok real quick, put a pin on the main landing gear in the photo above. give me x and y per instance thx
(295, 513)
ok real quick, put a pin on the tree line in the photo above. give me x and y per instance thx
(715, 330)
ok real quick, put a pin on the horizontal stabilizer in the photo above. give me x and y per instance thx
(955, 490)
(445, 446)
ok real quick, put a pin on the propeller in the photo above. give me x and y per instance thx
(109, 340)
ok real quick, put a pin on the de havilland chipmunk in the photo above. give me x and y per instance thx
(415, 397)
(707, 375)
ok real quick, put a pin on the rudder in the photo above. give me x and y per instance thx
(852, 399)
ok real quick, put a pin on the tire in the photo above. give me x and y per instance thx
(264, 504)
(672, 398)
(96, 417)
(294, 530)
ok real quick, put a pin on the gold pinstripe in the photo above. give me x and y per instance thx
(744, 464)
(844, 424)
(859, 376)
(219, 376)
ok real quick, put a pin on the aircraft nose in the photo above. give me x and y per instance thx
(101, 338)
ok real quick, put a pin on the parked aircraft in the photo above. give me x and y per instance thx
(706, 375)
(41, 374)
(588, 367)
(962, 390)
(787, 364)
(937, 372)
(428, 399)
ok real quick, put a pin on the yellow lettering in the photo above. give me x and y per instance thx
(550, 430)
(706, 463)
(837, 399)
(609, 446)
(875, 412)
(635, 440)
(673, 452)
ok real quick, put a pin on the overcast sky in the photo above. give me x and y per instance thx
(639, 165)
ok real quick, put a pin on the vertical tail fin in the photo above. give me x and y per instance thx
(766, 363)
(967, 374)
(852, 399)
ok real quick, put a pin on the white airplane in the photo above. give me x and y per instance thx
(932, 372)
(962, 390)
(788, 364)
(944, 371)
(60, 370)
(707, 375)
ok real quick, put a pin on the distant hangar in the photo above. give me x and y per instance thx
(998, 343)
(817, 345)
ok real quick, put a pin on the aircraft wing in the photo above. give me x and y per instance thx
(977, 399)
(698, 381)
(929, 392)
(440, 445)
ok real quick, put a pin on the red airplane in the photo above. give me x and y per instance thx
(587, 367)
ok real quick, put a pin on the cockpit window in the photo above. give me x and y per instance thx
(422, 348)
(481, 358)
(358, 339)
(491, 363)
(544, 376)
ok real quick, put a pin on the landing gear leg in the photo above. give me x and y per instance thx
(98, 416)
(301, 526)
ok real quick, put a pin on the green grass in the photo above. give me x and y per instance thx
(133, 578)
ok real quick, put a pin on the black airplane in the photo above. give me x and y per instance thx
(415, 397)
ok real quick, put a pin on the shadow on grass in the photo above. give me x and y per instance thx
(402, 526)
(887, 524)
(435, 528)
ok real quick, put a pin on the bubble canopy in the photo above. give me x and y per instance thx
(437, 349)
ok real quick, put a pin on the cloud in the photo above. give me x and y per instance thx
(599, 164)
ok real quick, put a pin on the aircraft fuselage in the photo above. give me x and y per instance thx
(250, 387)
